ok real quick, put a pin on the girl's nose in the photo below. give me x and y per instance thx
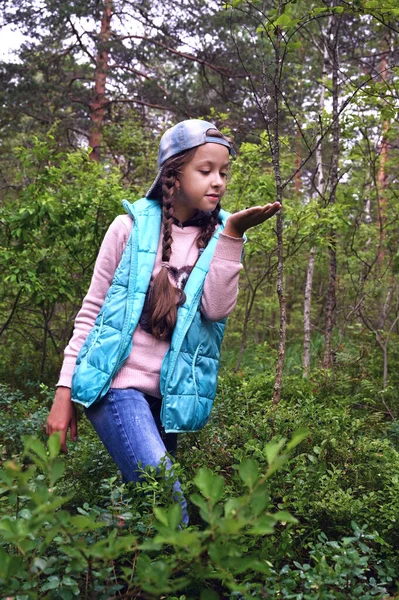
(217, 180)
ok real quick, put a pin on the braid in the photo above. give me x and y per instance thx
(209, 228)
(164, 297)
(167, 214)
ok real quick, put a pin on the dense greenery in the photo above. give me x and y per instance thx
(319, 522)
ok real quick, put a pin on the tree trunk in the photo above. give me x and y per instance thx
(381, 174)
(13, 309)
(332, 248)
(307, 304)
(298, 162)
(273, 133)
(248, 308)
(98, 103)
(306, 312)
(249, 304)
(283, 316)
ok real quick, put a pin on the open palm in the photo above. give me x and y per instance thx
(239, 222)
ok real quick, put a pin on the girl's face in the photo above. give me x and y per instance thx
(202, 181)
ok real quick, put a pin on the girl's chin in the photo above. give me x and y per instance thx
(212, 203)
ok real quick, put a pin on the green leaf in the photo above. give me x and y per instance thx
(260, 498)
(232, 506)
(174, 515)
(277, 463)
(232, 525)
(298, 437)
(199, 501)
(56, 471)
(39, 564)
(83, 523)
(161, 515)
(285, 517)
(51, 584)
(272, 449)
(264, 525)
(54, 445)
(292, 46)
(249, 472)
(210, 484)
(34, 445)
(285, 20)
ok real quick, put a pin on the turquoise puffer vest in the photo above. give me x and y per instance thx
(190, 367)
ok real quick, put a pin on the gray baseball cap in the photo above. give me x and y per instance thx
(183, 136)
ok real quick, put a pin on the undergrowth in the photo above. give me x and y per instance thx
(312, 518)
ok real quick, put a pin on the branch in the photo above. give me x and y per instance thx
(124, 101)
(14, 308)
(201, 61)
(141, 74)
(81, 44)
(141, 102)
(328, 129)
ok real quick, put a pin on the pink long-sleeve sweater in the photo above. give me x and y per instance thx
(142, 368)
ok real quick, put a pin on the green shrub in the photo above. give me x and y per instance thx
(18, 416)
(344, 470)
(134, 544)
(336, 570)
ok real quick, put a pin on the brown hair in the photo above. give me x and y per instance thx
(165, 298)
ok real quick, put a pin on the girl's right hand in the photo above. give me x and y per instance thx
(238, 223)
(62, 417)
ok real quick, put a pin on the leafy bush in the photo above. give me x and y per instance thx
(50, 233)
(48, 552)
(336, 570)
(84, 533)
(19, 416)
(345, 470)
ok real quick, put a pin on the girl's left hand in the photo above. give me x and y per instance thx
(239, 222)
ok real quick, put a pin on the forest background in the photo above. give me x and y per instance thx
(309, 91)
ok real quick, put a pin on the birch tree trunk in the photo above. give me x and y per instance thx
(332, 246)
(275, 151)
(98, 102)
(320, 193)
(381, 183)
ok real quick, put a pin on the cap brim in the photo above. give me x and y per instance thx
(155, 191)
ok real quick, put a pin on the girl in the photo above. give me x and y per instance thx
(143, 358)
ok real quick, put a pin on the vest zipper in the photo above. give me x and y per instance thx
(193, 369)
(100, 326)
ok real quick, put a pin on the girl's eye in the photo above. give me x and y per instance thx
(223, 174)
(205, 172)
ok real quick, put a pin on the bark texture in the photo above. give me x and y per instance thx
(332, 242)
(98, 103)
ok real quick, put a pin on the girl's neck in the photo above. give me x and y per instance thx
(197, 220)
(184, 213)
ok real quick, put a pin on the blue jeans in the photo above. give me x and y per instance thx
(129, 425)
